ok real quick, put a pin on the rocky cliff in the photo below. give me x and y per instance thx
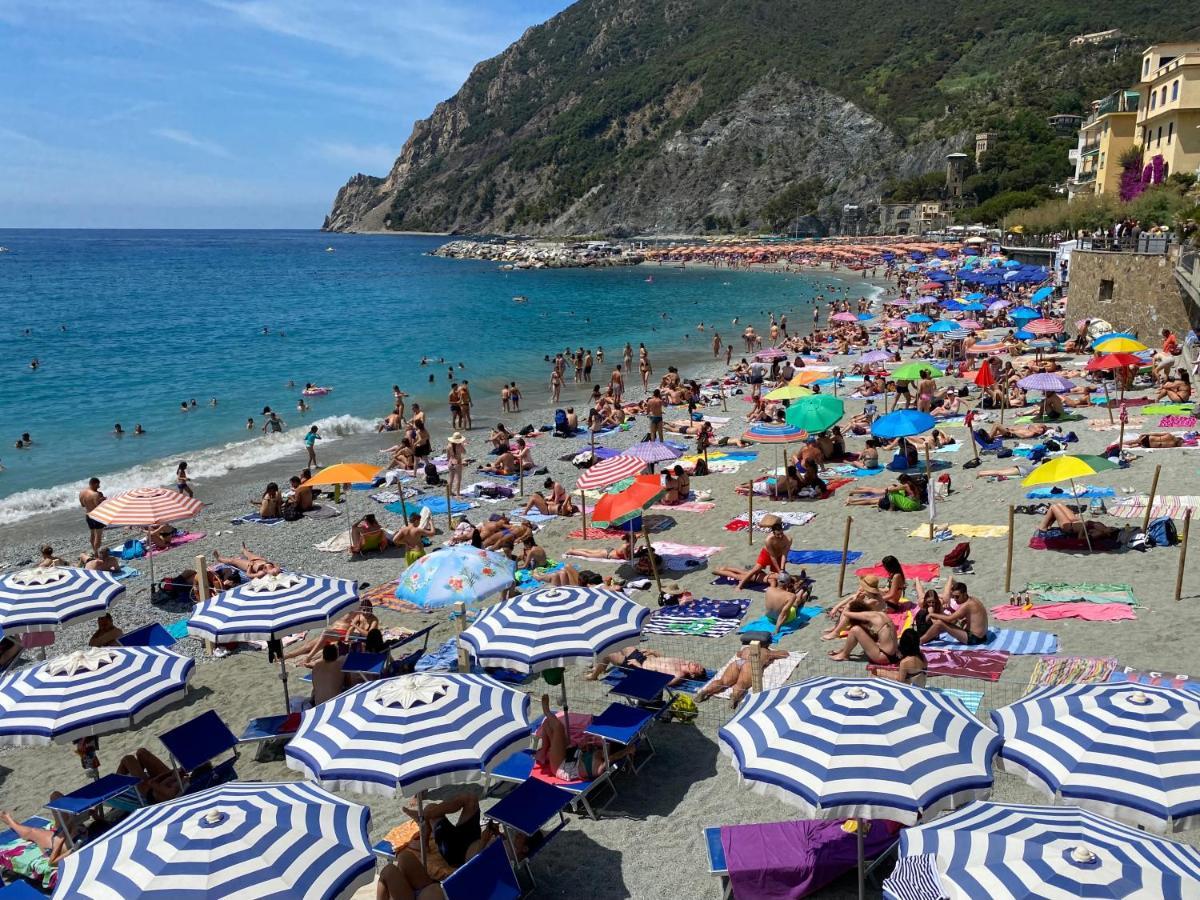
(667, 116)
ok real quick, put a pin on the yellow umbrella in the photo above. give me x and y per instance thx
(808, 376)
(789, 392)
(1068, 468)
(1121, 345)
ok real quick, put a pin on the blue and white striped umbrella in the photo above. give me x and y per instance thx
(551, 627)
(410, 733)
(271, 607)
(1128, 751)
(1007, 852)
(861, 748)
(44, 599)
(89, 692)
(238, 841)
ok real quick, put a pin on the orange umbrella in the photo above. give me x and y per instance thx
(617, 509)
(345, 473)
(808, 376)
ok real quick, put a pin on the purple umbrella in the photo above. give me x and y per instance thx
(874, 356)
(652, 452)
(1046, 382)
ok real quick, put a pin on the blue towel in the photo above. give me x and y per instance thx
(443, 659)
(1008, 640)
(435, 505)
(803, 617)
(178, 630)
(821, 557)
(127, 572)
(704, 608)
(740, 455)
(970, 699)
(533, 516)
(255, 519)
(855, 472)
(1088, 492)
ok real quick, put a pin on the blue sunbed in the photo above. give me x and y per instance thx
(21, 890)
(120, 791)
(200, 741)
(152, 635)
(527, 809)
(625, 725)
(486, 876)
(641, 685)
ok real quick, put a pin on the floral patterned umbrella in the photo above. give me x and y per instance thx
(455, 575)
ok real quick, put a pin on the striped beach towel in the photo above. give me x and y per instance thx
(1135, 507)
(915, 878)
(1091, 592)
(697, 619)
(1050, 671)
(970, 699)
(1007, 640)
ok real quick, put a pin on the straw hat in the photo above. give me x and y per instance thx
(869, 584)
(457, 438)
(770, 521)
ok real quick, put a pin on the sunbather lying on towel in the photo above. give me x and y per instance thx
(785, 597)
(1158, 440)
(637, 658)
(35, 853)
(101, 561)
(503, 538)
(1017, 431)
(736, 676)
(249, 562)
(1061, 518)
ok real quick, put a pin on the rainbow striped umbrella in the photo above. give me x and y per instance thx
(1044, 326)
(766, 433)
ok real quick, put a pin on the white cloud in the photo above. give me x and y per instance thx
(187, 139)
(375, 158)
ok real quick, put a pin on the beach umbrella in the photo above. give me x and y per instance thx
(552, 627)
(874, 356)
(789, 392)
(1119, 345)
(1022, 335)
(604, 473)
(810, 376)
(917, 319)
(976, 296)
(861, 748)
(242, 839)
(985, 377)
(89, 692)
(458, 574)
(1068, 468)
(970, 325)
(270, 607)
(43, 599)
(974, 306)
(1041, 294)
(351, 473)
(1126, 750)
(1023, 313)
(1044, 326)
(1114, 361)
(146, 508)
(1008, 852)
(816, 413)
(843, 317)
(912, 371)
(865, 317)
(1108, 335)
(626, 508)
(999, 305)
(654, 451)
(897, 323)
(902, 423)
(1046, 382)
(770, 433)
(943, 326)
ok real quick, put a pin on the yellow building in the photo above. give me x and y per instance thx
(1168, 115)
(1106, 134)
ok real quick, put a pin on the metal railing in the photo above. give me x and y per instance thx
(1151, 244)
(1187, 270)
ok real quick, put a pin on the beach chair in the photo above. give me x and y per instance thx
(488, 875)
(625, 725)
(267, 733)
(716, 858)
(519, 768)
(194, 745)
(527, 809)
(152, 635)
(21, 890)
(408, 662)
(118, 791)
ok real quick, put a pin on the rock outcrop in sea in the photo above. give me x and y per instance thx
(542, 255)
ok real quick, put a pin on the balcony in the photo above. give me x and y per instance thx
(1086, 177)
(1089, 149)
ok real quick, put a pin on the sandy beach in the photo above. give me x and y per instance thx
(648, 841)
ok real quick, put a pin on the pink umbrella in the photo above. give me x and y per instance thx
(897, 323)
(1044, 326)
(843, 317)
(610, 471)
(969, 324)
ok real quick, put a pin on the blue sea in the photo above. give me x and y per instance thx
(127, 325)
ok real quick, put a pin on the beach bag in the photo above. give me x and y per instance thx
(684, 709)
(131, 549)
(1161, 532)
(291, 512)
(729, 610)
(958, 556)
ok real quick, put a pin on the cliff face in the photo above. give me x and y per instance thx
(625, 116)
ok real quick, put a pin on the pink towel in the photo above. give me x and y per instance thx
(695, 506)
(179, 540)
(924, 571)
(1091, 612)
(985, 664)
(1177, 422)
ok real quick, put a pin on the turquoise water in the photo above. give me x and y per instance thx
(156, 318)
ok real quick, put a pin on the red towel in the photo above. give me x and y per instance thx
(985, 664)
(924, 571)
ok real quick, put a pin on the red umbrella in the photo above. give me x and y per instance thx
(985, 377)
(1114, 361)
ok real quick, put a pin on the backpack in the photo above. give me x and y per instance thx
(1161, 532)
(291, 512)
(958, 556)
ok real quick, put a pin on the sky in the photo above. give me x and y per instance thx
(222, 113)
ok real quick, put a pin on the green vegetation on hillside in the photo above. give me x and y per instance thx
(596, 90)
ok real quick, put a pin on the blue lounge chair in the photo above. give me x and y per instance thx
(152, 635)
(518, 768)
(641, 685)
(624, 725)
(195, 744)
(21, 890)
(527, 809)
(716, 858)
(118, 791)
(486, 876)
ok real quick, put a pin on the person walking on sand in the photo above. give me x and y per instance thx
(89, 498)
(310, 444)
(182, 479)
(555, 384)
(627, 357)
(716, 345)
(654, 409)
(465, 401)
(456, 456)
(616, 384)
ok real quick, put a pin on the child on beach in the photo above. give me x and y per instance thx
(310, 444)
(182, 480)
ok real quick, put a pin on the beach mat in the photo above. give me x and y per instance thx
(178, 629)
(1135, 507)
(1089, 612)
(322, 512)
(692, 506)
(986, 665)
(1169, 409)
(695, 619)
(1051, 671)
(652, 523)
(1160, 679)
(1177, 421)
(385, 595)
(255, 519)
(970, 699)
(775, 675)
(821, 557)
(1082, 492)
(961, 529)
(1091, 592)
(1005, 640)
(1030, 420)
(852, 472)
(927, 572)
(126, 571)
(435, 505)
(178, 540)
(804, 615)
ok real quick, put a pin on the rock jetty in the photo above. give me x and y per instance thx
(541, 254)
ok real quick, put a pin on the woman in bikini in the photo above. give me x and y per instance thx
(556, 503)
(873, 632)
(912, 667)
(251, 563)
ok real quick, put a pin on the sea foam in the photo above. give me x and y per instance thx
(211, 462)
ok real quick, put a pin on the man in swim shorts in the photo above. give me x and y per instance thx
(967, 624)
(654, 411)
(89, 498)
(410, 538)
(784, 599)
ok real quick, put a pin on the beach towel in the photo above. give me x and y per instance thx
(804, 615)
(697, 618)
(443, 658)
(338, 543)
(1089, 612)
(699, 551)
(1161, 679)
(986, 665)
(126, 571)
(963, 530)
(435, 505)
(915, 877)
(1082, 492)
(949, 448)
(1056, 540)
(394, 496)
(1105, 425)
(1005, 640)
(821, 557)
(1169, 409)
(784, 860)
(1135, 507)
(255, 519)
(788, 519)
(853, 472)
(726, 581)
(970, 699)
(1029, 420)
(692, 506)
(322, 512)
(526, 581)
(775, 675)
(1092, 592)
(652, 523)
(927, 572)
(1177, 422)
(178, 540)
(533, 517)
(1051, 671)
(178, 629)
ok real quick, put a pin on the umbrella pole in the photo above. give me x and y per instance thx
(421, 824)
(1108, 403)
(449, 514)
(1150, 502)
(929, 490)
(283, 676)
(862, 881)
(650, 556)
(1087, 537)
(1183, 542)
(750, 513)
(563, 692)
(583, 513)
(845, 550)
(1008, 564)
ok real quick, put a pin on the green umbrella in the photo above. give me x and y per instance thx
(912, 371)
(816, 413)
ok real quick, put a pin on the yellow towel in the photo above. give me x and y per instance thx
(963, 530)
